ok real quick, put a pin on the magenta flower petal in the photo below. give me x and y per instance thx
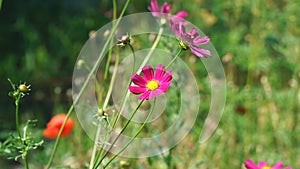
(193, 32)
(138, 80)
(164, 87)
(181, 14)
(167, 77)
(148, 72)
(199, 40)
(155, 93)
(199, 51)
(262, 164)
(153, 6)
(165, 8)
(278, 165)
(250, 164)
(151, 84)
(145, 96)
(137, 89)
(160, 72)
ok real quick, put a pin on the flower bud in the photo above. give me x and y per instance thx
(24, 88)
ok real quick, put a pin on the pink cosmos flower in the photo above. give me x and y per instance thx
(151, 84)
(191, 39)
(164, 11)
(263, 165)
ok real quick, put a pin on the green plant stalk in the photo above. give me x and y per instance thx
(133, 54)
(26, 162)
(111, 42)
(153, 47)
(111, 85)
(175, 57)
(105, 77)
(0, 4)
(116, 139)
(17, 103)
(135, 135)
(85, 84)
(127, 93)
(143, 125)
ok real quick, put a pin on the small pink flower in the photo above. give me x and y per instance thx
(263, 165)
(191, 39)
(164, 11)
(151, 84)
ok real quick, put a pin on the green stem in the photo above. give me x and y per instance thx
(136, 134)
(153, 47)
(133, 53)
(85, 85)
(112, 82)
(17, 102)
(140, 129)
(176, 56)
(99, 154)
(94, 156)
(123, 129)
(26, 162)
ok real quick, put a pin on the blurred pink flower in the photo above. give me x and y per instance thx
(164, 11)
(191, 39)
(151, 84)
(263, 165)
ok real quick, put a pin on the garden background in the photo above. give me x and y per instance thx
(258, 42)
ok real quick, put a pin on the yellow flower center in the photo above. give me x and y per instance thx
(266, 167)
(183, 45)
(152, 85)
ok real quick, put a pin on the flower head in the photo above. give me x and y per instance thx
(151, 84)
(164, 11)
(125, 40)
(190, 39)
(263, 165)
(55, 124)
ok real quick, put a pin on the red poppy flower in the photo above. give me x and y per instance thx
(55, 124)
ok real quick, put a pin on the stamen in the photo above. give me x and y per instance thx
(152, 85)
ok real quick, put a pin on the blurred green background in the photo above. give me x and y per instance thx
(258, 42)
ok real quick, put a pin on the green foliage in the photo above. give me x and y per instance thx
(19, 147)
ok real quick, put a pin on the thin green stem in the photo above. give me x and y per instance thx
(116, 139)
(153, 47)
(94, 156)
(26, 162)
(99, 154)
(133, 54)
(112, 82)
(135, 135)
(143, 125)
(176, 56)
(85, 84)
(111, 42)
(17, 102)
